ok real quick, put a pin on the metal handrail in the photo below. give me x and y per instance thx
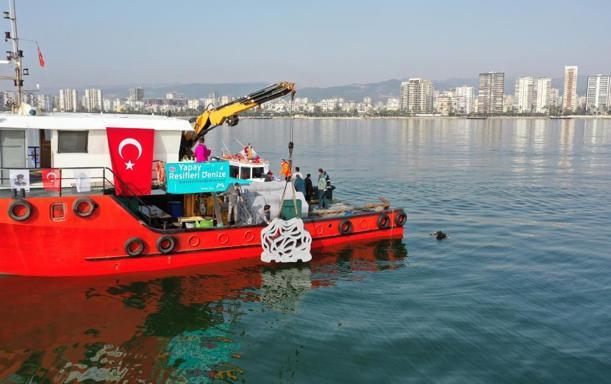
(125, 186)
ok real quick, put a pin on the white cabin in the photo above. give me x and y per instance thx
(78, 140)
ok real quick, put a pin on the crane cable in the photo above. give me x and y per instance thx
(291, 146)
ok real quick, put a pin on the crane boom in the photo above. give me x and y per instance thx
(216, 116)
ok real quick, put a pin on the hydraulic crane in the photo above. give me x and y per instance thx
(228, 113)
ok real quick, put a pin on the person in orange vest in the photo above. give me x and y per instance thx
(285, 169)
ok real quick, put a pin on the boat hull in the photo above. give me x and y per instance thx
(49, 244)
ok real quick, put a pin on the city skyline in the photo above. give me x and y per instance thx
(313, 44)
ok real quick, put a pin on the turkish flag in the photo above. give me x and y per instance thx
(51, 179)
(41, 60)
(131, 156)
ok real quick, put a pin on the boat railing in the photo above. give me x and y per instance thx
(67, 181)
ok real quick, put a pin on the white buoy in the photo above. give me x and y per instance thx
(286, 241)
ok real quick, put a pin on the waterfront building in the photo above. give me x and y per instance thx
(555, 98)
(524, 97)
(508, 106)
(194, 104)
(417, 96)
(532, 95)
(225, 100)
(393, 104)
(108, 105)
(598, 94)
(136, 94)
(490, 96)
(569, 96)
(68, 100)
(443, 103)
(93, 100)
(464, 100)
(542, 87)
(43, 102)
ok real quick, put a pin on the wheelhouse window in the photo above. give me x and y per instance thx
(257, 173)
(233, 171)
(244, 173)
(72, 142)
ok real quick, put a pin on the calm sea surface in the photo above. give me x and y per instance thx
(520, 291)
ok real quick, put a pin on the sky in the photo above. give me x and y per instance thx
(311, 42)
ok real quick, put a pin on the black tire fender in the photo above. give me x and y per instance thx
(383, 221)
(166, 244)
(345, 227)
(20, 203)
(400, 218)
(134, 252)
(89, 204)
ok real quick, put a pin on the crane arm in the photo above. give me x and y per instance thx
(229, 112)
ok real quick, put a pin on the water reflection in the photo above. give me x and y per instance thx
(156, 328)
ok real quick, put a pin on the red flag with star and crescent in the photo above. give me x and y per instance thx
(51, 178)
(131, 156)
(41, 59)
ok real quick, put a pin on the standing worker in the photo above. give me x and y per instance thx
(299, 183)
(202, 153)
(234, 198)
(309, 188)
(285, 169)
(297, 173)
(322, 188)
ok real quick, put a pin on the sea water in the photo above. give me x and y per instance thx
(517, 293)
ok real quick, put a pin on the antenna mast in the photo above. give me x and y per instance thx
(16, 55)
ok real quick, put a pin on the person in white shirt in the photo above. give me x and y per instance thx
(297, 173)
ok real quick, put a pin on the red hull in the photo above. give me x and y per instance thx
(95, 245)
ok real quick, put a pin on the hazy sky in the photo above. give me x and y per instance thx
(312, 42)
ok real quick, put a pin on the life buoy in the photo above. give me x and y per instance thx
(400, 218)
(84, 207)
(20, 210)
(134, 246)
(345, 227)
(166, 244)
(383, 221)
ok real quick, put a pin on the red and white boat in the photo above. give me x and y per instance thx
(72, 222)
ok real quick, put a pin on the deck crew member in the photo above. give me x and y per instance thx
(202, 153)
(269, 176)
(322, 188)
(265, 215)
(234, 198)
(285, 169)
(309, 188)
(299, 184)
(297, 173)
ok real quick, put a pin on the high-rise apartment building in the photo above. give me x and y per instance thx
(417, 96)
(464, 100)
(136, 94)
(532, 95)
(598, 94)
(93, 100)
(569, 97)
(542, 86)
(490, 96)
(68, 100)
(524, 97)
